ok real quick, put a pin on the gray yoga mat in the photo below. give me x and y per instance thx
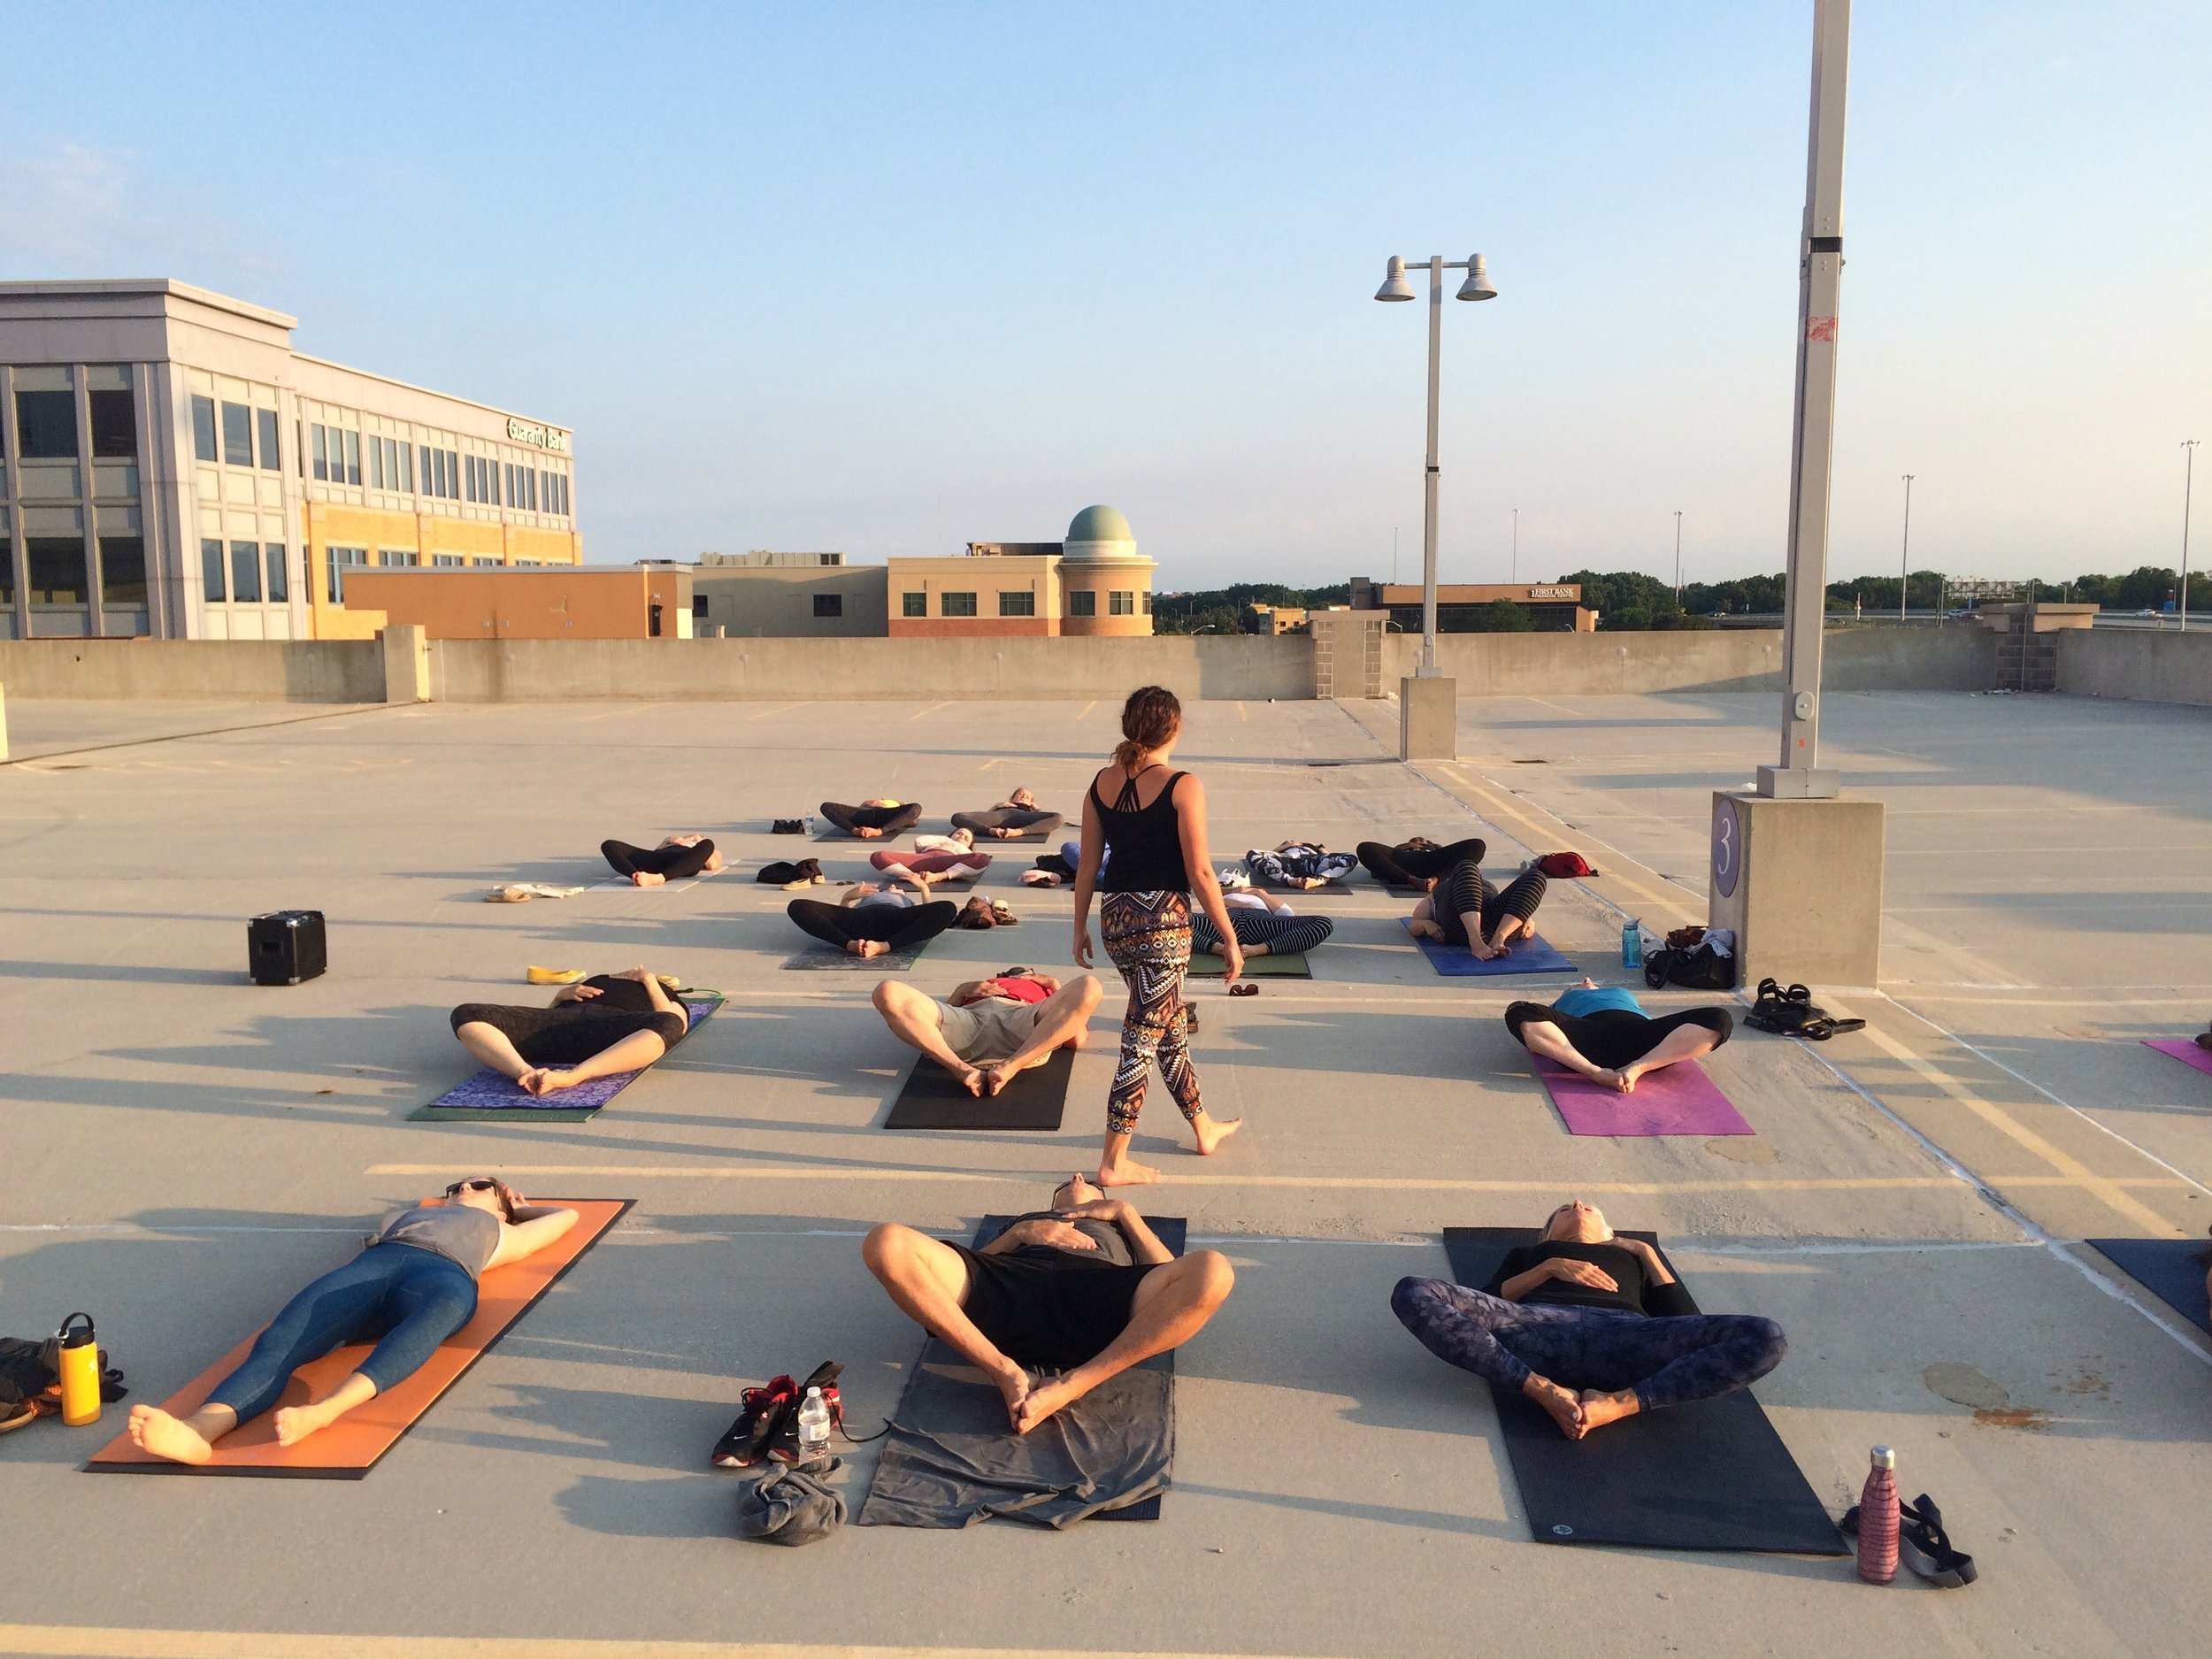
(932, 1098)
(820, 958)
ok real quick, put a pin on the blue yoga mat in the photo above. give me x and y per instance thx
(1531, 955)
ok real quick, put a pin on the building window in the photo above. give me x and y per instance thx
(829, 604)
(56, 565)
(490, 564)
(280, 574)
(1148, 602)
(1119, 603)
(1020, 604)
(353, 457)
(212, 569)
(203, 431)
(320, 442)
(698, 607)
(122, 569)
(446, 561)
(392, 558)
(376, 463)
(114, 426)
(237, 435)
(955, 604)
(1082, 603)
(336, 559)
(913, 604)
(245, 572)
(46, 425)
(299, 451)
(272, 459)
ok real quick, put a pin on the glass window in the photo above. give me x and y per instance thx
(321, 440)
(280, 574)
(46, 426)
(1017, 604)
(299, 447)
(1122, 604)
(829, 604)
(245, 572)
(56, 567)
(913, 604)
(376, 463)
(955, 604)
(491, 477)
(446, 561)
(212, 571)
(7, 568)
(204, 430)
(114, 426)
(272, 459)
(393, 557)
(237, 434)
(122, 569)
(353, 456)
(1148, 602)
(429, 476)
(407, 467)
(336, 559)
(1082, 603)
(452, 475)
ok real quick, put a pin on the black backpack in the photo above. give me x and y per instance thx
(1698, 967)
(31, 1370)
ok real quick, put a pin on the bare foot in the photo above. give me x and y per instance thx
(1251, 951)
(546, 1080)
(1128, 1173)
(1043, 1401)
(1013, 1382)
(1211, 1131)
(647, 879)
(866, 947)
(1630, 1076)
(1560, 1403)
(154, 1430)
(865, 833)
(1598, 1410)
(295, 1423)
(973, 1081)
(1606, 1079)
(530, 1082)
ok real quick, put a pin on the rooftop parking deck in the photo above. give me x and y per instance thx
(183, 1150)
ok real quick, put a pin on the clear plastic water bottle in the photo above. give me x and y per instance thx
(814, 1433)
(1878, 1520)
(1632, 945)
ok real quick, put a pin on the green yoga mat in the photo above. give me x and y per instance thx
(1290, 964)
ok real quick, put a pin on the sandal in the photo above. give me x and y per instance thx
(1826, 1025)
(1925, 1547)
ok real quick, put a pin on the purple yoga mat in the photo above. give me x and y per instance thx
(2183, 1049)
(1679, 1100)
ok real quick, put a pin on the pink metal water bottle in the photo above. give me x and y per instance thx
(1878, 1520)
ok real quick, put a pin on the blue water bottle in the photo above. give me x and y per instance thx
(1632, 945)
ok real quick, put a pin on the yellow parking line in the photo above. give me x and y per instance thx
(1498, 805)
(1240, 713)
(118, 1643)
(931, 710)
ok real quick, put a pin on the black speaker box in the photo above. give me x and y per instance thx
(285, 947)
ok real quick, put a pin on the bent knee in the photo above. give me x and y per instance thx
(1413, 1299)
(1769, 1343)
(1210, 1271)
(888, 1242)
(1090, 991)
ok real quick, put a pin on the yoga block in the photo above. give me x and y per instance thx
(285, 947)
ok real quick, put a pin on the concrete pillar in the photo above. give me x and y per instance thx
(1428, 718)
(1799, 882)
(406, 662)
(3, 726)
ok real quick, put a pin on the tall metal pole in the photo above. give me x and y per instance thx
(2188, 478)
(1904, 555)
(1798, 774)
(1677, 560)
(1517, 546)
(1427, 670)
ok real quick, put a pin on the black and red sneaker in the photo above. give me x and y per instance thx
(783, 1444)
(763, 1411)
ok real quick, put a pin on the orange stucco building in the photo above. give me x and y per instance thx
(1095, 582)
(631, 602)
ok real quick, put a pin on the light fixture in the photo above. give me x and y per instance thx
(1477, 287)
(1394, 284)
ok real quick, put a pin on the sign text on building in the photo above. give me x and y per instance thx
(545, 437)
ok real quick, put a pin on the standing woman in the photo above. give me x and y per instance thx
(1154, 822)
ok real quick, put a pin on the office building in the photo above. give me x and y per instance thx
(791, 601)
(1553, 607)
(1095, 582)
(170, 466)
(762, 558)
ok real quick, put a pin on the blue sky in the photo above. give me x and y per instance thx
(891, 278)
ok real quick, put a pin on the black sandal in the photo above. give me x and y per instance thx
(1824, 1027)
(1924, 1546)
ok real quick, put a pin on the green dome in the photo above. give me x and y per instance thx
(1100, 524)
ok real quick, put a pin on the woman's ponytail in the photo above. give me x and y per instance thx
(1149, 719)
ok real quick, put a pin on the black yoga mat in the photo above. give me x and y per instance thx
(1709, 1475)
(1288, 965)
(2171, 1270)
(821, 958)
(932, 1098)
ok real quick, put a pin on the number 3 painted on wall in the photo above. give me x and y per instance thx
(1727, 858)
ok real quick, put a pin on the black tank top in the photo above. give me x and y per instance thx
(1146, 842)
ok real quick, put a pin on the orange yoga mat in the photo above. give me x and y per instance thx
(349, 1448)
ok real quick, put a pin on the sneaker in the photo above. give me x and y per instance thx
(763, 1411)
(783, 1445)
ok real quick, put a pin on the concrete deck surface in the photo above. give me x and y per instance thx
(184, 1149)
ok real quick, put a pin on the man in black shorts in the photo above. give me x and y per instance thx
(1085, 1289)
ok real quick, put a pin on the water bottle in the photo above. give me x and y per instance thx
(79, 1363)
(1878, 1520)
(814, 1443)
(1632, 945)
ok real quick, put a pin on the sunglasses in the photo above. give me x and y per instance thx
(480, 1185)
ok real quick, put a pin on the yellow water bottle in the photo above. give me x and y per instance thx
(79, 1363)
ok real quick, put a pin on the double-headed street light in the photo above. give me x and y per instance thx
(1477, 287)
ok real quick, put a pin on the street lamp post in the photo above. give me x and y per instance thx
(1677, 559)
(2188, 478)
(1904, 555)
(1516, 568)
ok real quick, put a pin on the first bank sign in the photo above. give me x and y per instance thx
(551, 438)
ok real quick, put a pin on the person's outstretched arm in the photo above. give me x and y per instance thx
(1087, 875)
(1190, 812)
(534, 1228)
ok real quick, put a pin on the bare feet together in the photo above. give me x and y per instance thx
(865, 833)
(1041, 1401)
(972, 1081)
(154, 1430)
(1211, 1131)
(1598, 1410)
(647, 879)
(1013, 1382)
(867, 948)
(1559, 1404)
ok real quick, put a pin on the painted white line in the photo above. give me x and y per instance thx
(54, 1641)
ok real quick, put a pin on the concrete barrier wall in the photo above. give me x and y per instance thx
(1714, 659)
(2143, 663)
(205, 671)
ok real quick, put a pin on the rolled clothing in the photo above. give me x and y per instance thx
(569, 1034)
(1667, 1359)
(1610, 1036)
(1466, 890)
(889, 819)
(1283, 935)
(930, 864)
(673, 862)
(1047, 1306)
(1298, 862)
(1418, 861)
(888, 918)
(1028, 822)
(405, 1299)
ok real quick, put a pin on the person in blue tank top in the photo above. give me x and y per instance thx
(1602, 1031)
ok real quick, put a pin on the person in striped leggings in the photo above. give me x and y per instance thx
(1263, 933)
(1465, 910)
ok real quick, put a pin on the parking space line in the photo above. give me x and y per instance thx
(51, 1642)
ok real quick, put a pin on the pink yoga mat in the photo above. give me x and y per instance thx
(1680, 1100)
(2183, 1049)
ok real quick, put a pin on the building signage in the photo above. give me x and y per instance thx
(1554, 593)
(545, 437)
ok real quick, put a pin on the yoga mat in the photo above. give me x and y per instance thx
(1530, 955)
(623, 883)
(2186, 1050)
(2171, 1270)
(1712, 1474)
(829, 959)
(488, 1097)
(933, 1099)
(349, 1448)
(1290, 964)
(1678, 1100)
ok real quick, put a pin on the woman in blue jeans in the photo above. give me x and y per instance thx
(412, 1288)
(1590, 1325)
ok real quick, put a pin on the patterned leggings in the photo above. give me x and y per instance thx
(1666, 1361)
(1281, 934)
(1148, 937)
(1466, 890)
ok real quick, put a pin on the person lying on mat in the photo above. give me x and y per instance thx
(1602, 1033)
(871, 921)
(1418, 861)
(610, 1023)
(922, 868)
(1463, 909)
(1262, 932)
(872, 819)
(412, 1288)
(676, 858)
(988, 1030)
(1296, 864)
(1018, 815)
(1085, 1288)
(1590, 1325)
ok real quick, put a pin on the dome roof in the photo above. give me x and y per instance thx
(1100, 524)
